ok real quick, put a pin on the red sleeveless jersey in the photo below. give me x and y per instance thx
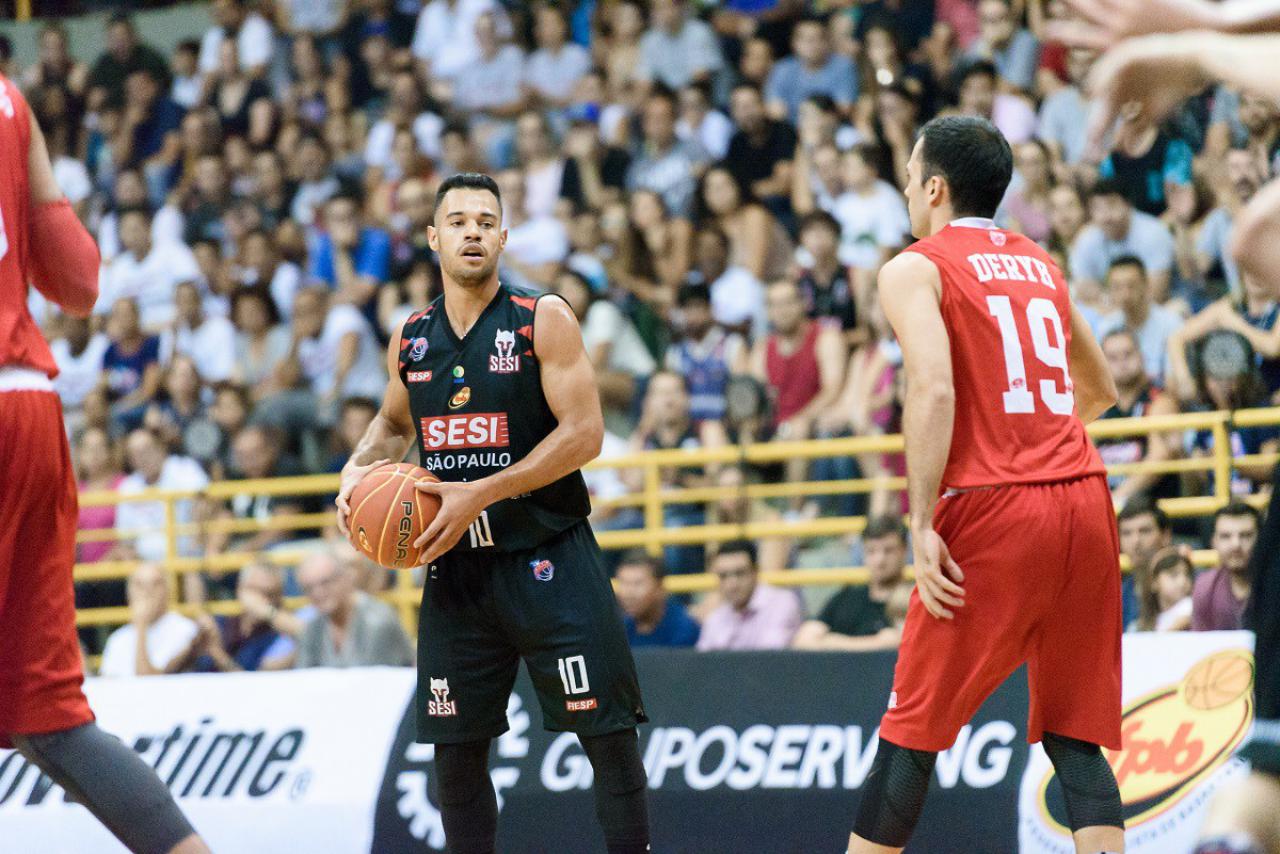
(21, 343)
(1008, 314)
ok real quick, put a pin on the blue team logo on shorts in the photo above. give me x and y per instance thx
(543, 570)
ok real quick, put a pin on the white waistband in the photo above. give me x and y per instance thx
(24, 379)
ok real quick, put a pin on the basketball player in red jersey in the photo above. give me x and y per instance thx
(43, 712)
(1014, 535)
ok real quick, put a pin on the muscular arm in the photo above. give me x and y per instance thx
(64, 258)
(910, 293)
(1095, 390)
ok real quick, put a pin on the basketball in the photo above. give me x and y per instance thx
(1218, 680)
(388, 514)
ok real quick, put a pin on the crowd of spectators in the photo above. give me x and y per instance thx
(711, 185)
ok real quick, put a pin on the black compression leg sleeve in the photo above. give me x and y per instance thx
(468, 805)
(112, 782)
(893, 794)
(621, 802)
(1088, 786)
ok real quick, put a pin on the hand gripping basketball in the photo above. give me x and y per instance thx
(387, 514)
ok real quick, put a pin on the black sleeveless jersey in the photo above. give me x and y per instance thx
(478, 407)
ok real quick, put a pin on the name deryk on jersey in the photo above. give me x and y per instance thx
(1010, 268)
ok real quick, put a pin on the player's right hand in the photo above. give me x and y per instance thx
(351, 475)
(938, 576)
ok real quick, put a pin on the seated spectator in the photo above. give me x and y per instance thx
(247, 641)
(1152, 325)
(252, 35)
(155, 640)
(444, 40)
(677, 49)
(536, 246)
(540, 160)
(594, 173)
(405, 110)
(208, 201)
(142, 523)
(335, 351)
(552, 71)
(1064, 114)
(663, 162)
(97, 470)
(1212, 258)
(703, 354)
(773, 553)
(701, 123)
(130, 367)
(616, 350)
(1067, 217)
(491, 92)
(856, 620)
(209, 339)
(231, 91)
(229, 413)
(146, 272)
(129, 192)
(812, 69)
(351, 628)
(272, 190)
(124, 54)
(316, 182)
(824, 282)
(186, 86)
(872, 216)
(1145, 165)
(980, 95)
(181, 403)
(737, 296)
(651, 261)
(1221, 593)
(1253, 317)
(1164, 592)
(760, 152)
(78, 352)
(261, 343)
(1013, 49)
(1144, 530)
(758, 243)
(751, 615)
(651, 616)
(147, 136)
(349, 256)
(1137, 396)
(1026, 205)
(1116, 230)
(800, 361)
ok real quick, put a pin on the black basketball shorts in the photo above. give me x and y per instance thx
(554, 607)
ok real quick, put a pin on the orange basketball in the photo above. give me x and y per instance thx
(388, 514)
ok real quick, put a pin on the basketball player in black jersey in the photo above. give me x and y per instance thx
(495, 386)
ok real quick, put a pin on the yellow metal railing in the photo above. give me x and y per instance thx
(652, 499)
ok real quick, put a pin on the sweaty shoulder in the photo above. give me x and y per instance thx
(909, 267)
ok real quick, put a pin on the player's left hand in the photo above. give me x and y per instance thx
(460, 505)
(938, 576)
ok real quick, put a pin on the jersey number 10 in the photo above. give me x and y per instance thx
(1041, 314)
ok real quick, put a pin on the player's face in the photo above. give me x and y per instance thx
(1141, 537)
(885, 558)
(736, 577)
(1233, 538)
(468, 236)
(918, 193)
(638, 590)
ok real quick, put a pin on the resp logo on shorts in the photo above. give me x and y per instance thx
(456, 432)
(543, 570)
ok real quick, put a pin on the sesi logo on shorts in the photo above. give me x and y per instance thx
(456, 432)
(441, 706)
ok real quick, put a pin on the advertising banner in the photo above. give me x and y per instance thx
(746, 752)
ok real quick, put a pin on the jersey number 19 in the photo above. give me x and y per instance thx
(1041, 314)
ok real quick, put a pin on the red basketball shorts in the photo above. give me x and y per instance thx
(40, 667)
(1042, 586)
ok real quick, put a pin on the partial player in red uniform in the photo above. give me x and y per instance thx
(43, 712)
(1016, 553)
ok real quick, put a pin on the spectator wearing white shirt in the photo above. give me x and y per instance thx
(404, 109)
(141, 524)
(543, 165)
(553, 70)
(872, 216)
(492, 91)
(78, 353)
(1013, 49)
(130, 191)
(155, 640)
(208, 339)
(335, 350)
(737, 297)
(1118, 229)
(536, 245)
(702, 124)
(254, 38)
(677, 49)
(147, 272)
(1152, 325)
(444, 41)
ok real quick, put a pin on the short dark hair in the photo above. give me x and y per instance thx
(1107, 187)
(1127, 261)
(639, 557)
(663, 93)
(823, 102)
(1122, 332)
(1142, 505)
(467, 181)
(359, 402)
(887, 525)
(187, 46)
(734, 547)
(1237, 510)
(978, 68)
(819, 218)
(973, 157)
(693, 292)
(747, 84)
